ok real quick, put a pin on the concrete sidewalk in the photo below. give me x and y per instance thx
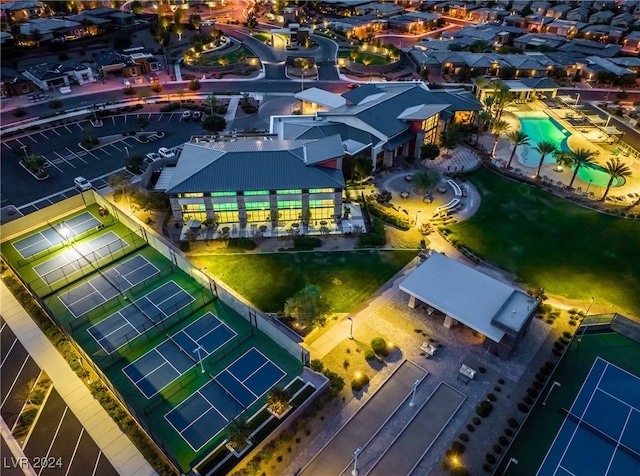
(115, 445)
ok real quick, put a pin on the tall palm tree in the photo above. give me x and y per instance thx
(238, 431)
(581, 158)
(498, 128)
(616, 169)
(517, 138)
(544, 148)
(563, 158)
(278, 400)
(482, 119)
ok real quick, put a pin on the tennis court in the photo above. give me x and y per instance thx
(107, 285)
(162, 365)
(135, 319)
(201, 416)
(604, 420)
(42, 240)
(74, 259)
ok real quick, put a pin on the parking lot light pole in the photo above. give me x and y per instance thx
(412, 403)
(198, 349)
(511, 460)
(554, 384)
(354, 472)
(24, 149)
(350, 319)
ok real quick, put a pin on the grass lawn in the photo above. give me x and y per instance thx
(551, 243)
(268, 280)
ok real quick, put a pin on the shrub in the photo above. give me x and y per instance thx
(317, 365)
(457, 447)
(37, 396)
(501, 381)
(241, 244)
(523, 408)
(170, 107)
(388, 216)
(508, 431)
(503, 440)
(470, 427)
(486, 467)
(491, 397)
(379, 346)
(369, 354)
(556, 352)
(532, 392)
(558, 345)
(497, 448)
(185, 246)
(476, 421)
(537, 385)
(512, 422)
(464, 437)
(497, 389)
(306, 242)
(540, 377)
(528, 400)
(358, 383)
(490, 458)
(19, 112)
(27, 416)
(482, 370)
(544, 371)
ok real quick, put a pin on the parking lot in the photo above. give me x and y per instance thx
(65, 159)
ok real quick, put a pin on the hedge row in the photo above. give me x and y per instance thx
(390, 217)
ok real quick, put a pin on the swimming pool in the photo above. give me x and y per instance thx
(540, 127)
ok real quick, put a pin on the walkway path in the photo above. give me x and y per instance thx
(115, 445)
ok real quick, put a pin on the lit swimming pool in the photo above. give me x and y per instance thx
(540, 127)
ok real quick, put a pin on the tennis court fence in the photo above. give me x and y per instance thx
(151, 330)
(139, 289)
(72, 239)
(85, 265)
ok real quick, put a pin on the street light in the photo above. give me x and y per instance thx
(354, 472)
(24, 149)
(127, 151)
(554, 384)
(419, 211)
(198, 349)
(412, 403)
(511, 460)
(350, 319)
(586, 323)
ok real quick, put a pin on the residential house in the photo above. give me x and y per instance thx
(602, 33)
(532, 41)
(631, 43)
(384, 10)
(492, 35)
(488, 15)
(518, 5)
(627, 6)
(14, 83)
(578, 14)
(588, 48)
(558, 11)
(537, 23)
(50, 28)
(516, 21)
(523, 90)
(592, 65)
(251, 182)
(131, 63)
(602, 17)
(624, 20)
(628, 62)
(540, 8)
(397, 117)
(567, 28)
(294, 34)
(18, 12)
(63, 74)
(603, 4)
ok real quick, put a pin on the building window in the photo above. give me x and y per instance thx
(288, 192)
(190, 195)
(192, 208)
(290, 209)
(194, 211)
(321, 190)
(223, 194)
(321, 209)
(256, 192)
(225, 206)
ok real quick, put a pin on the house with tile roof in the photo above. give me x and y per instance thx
(251, 181)
(392, 120)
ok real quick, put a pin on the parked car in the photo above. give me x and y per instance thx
(152, 157)
(82, 184)
(186, 115)
(126, 82)
(196, 116)
(166, 153)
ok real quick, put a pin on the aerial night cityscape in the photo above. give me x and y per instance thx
(320, 238)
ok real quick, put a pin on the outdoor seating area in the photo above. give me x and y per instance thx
(429, 349)
(466, 374)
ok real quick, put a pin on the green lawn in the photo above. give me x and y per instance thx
(346, 278)
(551, 243)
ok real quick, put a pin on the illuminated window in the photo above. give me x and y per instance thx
(190, 195)
(257, 205)
(225, 206)
(257, 192)
(192, 208)
(223, 194)
(321, 190)
(288, 192)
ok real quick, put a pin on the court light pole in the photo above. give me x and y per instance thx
(198, 349)
(354, 471)
(350, 319)
(511, 460)
(553, 385)
(412, 403)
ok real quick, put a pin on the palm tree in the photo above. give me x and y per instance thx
(581, 158)
(451, 137)
(367, 60)
(238, 431)
(544, 148)
(498, 128)
(278, 399)
(34, 163)
(482, 119)
(616, 169)
(517, 138)
(563, 158)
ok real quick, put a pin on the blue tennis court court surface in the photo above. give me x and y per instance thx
(201, 416)
(74, 259)
(601, 433)
(162, 365)
(42, 240)
(135, 319)
(107, 285)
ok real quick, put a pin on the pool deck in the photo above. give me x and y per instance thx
(579, 138)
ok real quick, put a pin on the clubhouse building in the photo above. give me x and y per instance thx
(382, 120)
(466, 296)
(254, 182)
